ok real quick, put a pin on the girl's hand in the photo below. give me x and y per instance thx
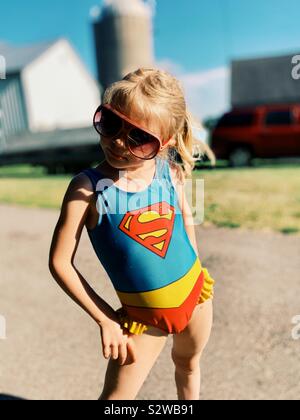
(116, 343)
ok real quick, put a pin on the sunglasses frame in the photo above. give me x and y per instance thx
(134, 124)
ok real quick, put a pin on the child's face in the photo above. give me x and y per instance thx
(115, 147)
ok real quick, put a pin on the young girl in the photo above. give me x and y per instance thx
(138, 219)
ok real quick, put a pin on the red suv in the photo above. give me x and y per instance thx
(265, 131)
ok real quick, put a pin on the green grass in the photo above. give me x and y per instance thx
(261, 198)
(28, 186)
(255, 198)
(289, 230)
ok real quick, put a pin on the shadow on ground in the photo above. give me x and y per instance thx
(4, 397)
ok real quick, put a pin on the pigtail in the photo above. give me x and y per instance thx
(187, 150)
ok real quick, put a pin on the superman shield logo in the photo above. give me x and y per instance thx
(151, 226)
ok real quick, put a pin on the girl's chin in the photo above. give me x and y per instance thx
(113, 157)
(116, 163)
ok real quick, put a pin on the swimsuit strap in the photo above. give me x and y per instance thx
(94, 177)
(159, 168)
(164, 172)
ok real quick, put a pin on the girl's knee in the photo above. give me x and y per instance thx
(187, 364)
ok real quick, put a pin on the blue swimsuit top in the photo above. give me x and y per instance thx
(141, 241)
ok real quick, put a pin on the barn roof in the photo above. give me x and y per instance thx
(18, 57)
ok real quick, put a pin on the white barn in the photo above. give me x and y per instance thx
(47, 88)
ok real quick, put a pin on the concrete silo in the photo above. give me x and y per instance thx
(124, 39)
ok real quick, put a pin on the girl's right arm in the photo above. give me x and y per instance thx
(64, 244)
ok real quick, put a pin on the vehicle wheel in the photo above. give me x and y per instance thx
(239, 157)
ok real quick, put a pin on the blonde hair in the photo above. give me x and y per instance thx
(152, 93)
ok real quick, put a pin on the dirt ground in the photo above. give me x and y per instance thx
(53, 351)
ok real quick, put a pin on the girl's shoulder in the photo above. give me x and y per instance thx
(77, 198)
(96, 174)
(82, 184)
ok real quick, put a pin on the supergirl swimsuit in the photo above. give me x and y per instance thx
(141, 241)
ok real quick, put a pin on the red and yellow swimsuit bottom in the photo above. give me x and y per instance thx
(138, 313)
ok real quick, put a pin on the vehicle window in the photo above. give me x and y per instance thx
(279, 118)
(236, 120)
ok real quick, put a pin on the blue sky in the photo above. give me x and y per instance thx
(192, 37)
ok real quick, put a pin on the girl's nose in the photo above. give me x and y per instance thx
(119, 141)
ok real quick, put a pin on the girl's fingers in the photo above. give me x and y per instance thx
(114, 351)
(106, 352)
(122, 353)
(105, 346)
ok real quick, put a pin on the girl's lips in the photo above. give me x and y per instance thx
(114, 155)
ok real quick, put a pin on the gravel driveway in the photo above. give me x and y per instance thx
(52, 349)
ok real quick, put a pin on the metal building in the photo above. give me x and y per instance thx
(124, 39)
(264, 81)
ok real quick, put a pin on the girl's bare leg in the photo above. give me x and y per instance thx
(187, 350)
(124, 382)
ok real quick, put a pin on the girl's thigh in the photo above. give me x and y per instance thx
(124, 382)
(193, 339)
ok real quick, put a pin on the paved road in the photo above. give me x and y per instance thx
(52, 350)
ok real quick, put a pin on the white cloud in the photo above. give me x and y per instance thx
(169, 65)
(207, 92)
(202, 78)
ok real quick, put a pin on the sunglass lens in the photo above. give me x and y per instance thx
(107, 123)
(142, 144)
